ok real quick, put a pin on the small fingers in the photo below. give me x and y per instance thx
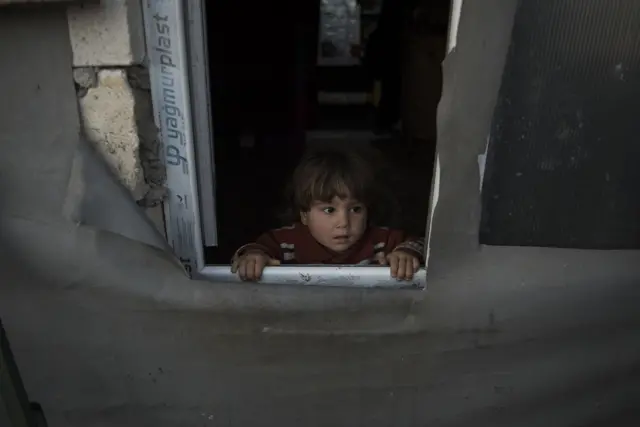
(249, 269)
(241, 268)
(402, 267)
(412, 265)
(258, 267)
(408, 268)
(394, 262)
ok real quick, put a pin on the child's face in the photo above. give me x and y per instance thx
(337, 225)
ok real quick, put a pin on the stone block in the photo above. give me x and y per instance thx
(107, 33)
(109, 118)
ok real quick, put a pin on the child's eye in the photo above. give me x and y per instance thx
(356, 209)
(328, 210)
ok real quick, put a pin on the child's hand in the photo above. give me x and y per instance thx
(250, 265)
(403, 264)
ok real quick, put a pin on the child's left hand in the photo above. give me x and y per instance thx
(403, 264)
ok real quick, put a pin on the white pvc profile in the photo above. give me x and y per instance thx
(198, 60)
(349, 276)
(169, 75)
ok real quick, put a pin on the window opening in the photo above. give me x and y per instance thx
(261, 113)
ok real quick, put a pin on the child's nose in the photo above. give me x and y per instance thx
(343, 219)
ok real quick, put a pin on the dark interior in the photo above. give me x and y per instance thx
(265, 80)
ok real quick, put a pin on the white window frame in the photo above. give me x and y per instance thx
(178, 64)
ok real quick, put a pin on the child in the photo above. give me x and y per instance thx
(334, 199)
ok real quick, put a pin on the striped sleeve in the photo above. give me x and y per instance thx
(412, 245)
(399, 241)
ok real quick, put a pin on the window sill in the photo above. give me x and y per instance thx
(346, 276)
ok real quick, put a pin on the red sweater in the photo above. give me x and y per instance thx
(296, 245)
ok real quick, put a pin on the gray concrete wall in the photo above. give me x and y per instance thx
(40, 127)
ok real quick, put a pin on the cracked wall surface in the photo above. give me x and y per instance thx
(114, 97)
(109, 122)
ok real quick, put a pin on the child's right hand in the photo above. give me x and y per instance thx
(249, 266)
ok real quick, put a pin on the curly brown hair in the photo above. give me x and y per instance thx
(325, 173)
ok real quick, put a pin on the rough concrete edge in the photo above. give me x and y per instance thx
(79, 257)
(150, 148)
(93, 263)
(151, 196)
(117, 139)
(105, 203)
(150, 145)
(464, 119)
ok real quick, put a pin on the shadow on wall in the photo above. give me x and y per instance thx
(98, 200)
